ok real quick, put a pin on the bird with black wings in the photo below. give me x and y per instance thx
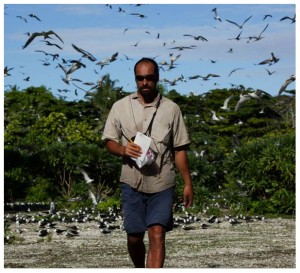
(45, 34)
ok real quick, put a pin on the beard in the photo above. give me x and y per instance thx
(148, 93)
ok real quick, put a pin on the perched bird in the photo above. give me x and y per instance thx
(45, 34)
(286, 83)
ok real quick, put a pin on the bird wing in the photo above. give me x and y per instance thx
(241, 101)
(52, 32)
(233, 23)
(247, 20)
(30, 39)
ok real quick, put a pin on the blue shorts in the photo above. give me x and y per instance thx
(142, 210)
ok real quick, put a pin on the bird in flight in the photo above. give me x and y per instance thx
(45, 34)
(34, 16)
(271, 60)
(239, 26)
(286, 83)
(293, 20)
(84, 53)
(216, 17)
(196, 37)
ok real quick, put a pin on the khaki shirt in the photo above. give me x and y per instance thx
(126, 118)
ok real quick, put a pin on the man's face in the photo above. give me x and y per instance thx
(146, 79)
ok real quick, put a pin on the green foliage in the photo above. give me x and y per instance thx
(111, 202)
(244, 162)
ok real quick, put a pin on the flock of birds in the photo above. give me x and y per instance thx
(51, 39)
(71, 223)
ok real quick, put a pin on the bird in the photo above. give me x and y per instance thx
(214, 116)
(183, 47)
(84, 53)
(45, 34)
(236, 69)
(243, 98)
(239, 26)
(6, 70)
(293, 20)
(270, 72)
(196, 37)
(43, 232)
(206, 78)
(87, 179)
(52, 44)
(286, 83)
(270, 61)
(216, 17)
(226, 102)
(259, 37)
(34, 16)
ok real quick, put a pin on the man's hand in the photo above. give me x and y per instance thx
(188, 196)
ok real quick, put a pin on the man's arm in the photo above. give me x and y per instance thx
(182, 164)
(130, 150)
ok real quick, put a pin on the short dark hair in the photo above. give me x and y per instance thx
(148, 60)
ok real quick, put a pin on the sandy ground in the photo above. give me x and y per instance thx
(258, 244)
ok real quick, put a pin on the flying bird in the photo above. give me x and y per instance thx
(271, 60)
(226, 102)
(183, 47)
(239, 26)
(286, 83)
(34, 16)
(196, 37)
(206, 78)
(6, 70)
(293, 20)
(243, 98)
(216, 17)
(45, 34)
(87, 179)
(232, 71)
(84, 53)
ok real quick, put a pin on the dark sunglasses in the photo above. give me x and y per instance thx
(149, 78)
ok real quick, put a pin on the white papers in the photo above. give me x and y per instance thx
(143, 141)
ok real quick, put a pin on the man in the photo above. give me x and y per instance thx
(147, 192)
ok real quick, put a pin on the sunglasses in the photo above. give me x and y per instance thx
(149, 78)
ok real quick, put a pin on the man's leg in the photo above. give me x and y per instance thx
(136, 249)
(156, 252)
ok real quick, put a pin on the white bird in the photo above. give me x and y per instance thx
(87, 179)
(286, 83)
(216, 17)
(92, 196)
(243, 98)
(226, 102)
(214, 116)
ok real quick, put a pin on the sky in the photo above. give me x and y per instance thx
(102, 30)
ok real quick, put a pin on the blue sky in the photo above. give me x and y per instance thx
(99, 30)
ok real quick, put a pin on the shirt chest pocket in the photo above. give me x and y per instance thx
(161, 132)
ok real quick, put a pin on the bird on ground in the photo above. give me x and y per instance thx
(243, 98)
(84, 53)
(286, 83)
(45, 34)
(216, 17)
(239, 26)
(43, 232)
(226, 102)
